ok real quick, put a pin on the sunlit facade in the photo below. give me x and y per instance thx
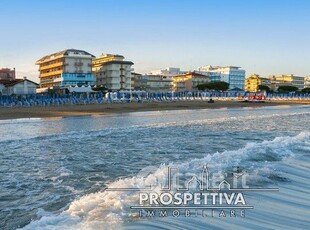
(188, 82)
(66, 68)
(233, 75)
(291, 79)
(113, 72)
(307, 82)
(253, 82)
(168, 72)
(152, 83)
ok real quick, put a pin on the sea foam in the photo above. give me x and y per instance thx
(109, 209)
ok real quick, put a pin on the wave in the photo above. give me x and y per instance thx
(109, 209)
(109, 130)
(223, 119)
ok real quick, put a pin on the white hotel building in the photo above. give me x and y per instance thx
(233, 75)
(168, 72)
(113, 72)
(307, 82)
(152, 83)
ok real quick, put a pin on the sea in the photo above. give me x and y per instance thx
(56, 173)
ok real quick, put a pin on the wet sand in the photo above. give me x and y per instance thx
(101, 109)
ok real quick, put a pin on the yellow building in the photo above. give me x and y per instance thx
(291, 79)
(188, 81)
(252, 83)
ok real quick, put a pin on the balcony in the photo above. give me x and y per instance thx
(77, 76)
(113, 76)
(43, 81)
(78, 64)
(76, 79)
(54, 65)
(52, 73)
(58, 79)
(112, 68)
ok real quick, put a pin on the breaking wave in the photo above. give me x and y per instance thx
(110, 209)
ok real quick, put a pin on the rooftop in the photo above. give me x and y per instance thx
(220, 67)
(8, 82)
(193, 74)
(112, 55)
(7, 70)
(117, 62)
(61, 54)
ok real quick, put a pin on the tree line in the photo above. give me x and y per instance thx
(223, 86)
(283, 89)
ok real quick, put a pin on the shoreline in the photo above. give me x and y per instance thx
(116, 108)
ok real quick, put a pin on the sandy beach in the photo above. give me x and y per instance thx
(101, 109)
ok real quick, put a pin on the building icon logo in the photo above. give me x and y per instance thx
(193, 194)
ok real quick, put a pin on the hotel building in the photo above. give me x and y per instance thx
(168, 72)
(188, 81)
(233, 75)
(291, 79)
(253, 82)
(152, 83)
(113, 72)
(135, 77)
(66, 68)
(307, 82)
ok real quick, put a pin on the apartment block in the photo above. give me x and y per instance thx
(290, 79)
(168, 72)
(307, 82)
(233, 75)
(188, 81)
(152, 83)
(113, 72)
(66, 68)
(253, 82)
(7, 74)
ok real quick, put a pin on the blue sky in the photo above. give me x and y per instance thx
(262, 36)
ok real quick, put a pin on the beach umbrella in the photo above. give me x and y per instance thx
(109, 100)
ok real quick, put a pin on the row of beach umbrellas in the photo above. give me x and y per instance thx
(126, 97)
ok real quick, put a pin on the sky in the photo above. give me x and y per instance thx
(261, 36)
